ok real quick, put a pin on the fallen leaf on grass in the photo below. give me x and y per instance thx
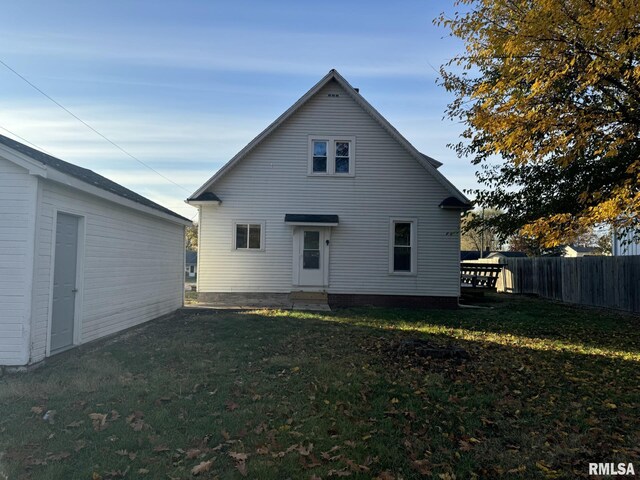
(238, 457)
(231, 406)
(305, 451)
(310, 462)
(58, 456)
(201, 467)
(242, 468)
(37, 410)
(465, 446)
(143, 471)
(548, 471)
(339, 473)
(355, 467)
(386, 475)
(193, 453)
(125, 453)
(161, 448)
(520, 469)
(99, 421)
(135, 421)
(421, 466)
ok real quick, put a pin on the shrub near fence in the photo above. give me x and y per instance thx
(610, 282)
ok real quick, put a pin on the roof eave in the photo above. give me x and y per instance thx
(196, 203)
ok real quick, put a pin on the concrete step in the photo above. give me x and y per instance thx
(309, 297)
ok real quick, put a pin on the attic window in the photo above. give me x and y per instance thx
(333, 95)
(332, 155)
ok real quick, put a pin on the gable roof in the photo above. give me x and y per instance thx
(85, 175)
(580, 249)
(506, 254)
(427, 162)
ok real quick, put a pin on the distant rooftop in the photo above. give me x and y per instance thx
(580, 249)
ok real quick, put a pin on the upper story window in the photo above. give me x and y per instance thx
(331, 155)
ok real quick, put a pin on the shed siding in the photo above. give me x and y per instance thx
(132, 265)
(17, 216)
(272, 181)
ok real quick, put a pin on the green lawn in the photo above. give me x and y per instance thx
(276, 395)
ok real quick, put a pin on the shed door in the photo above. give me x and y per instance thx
(64, 282)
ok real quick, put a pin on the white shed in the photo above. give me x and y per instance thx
(81, 257)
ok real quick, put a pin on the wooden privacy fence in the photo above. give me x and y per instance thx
(610, 282)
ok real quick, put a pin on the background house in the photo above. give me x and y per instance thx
(578, 251)
(330, 199)
(489, 257)
(625, 244)
(81, 257)
(191, 263)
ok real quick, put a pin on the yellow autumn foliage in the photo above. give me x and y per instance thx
(554, 81)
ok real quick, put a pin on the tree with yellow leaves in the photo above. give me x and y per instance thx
(551, 88)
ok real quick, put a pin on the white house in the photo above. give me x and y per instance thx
(330, 198)
(81, 257)
(191, 263)
(574, 251)
(624, 244)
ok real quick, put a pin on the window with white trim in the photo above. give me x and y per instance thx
(248, 235)
(403, 246)
(331, 155)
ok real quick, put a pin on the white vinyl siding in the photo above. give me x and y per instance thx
(132, 265)
(274, 180)
(18, 192)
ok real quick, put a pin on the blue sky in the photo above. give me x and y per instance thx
(183, 85)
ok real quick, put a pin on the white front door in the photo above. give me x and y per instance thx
(311, 254)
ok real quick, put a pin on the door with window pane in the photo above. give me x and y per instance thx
(311, 264)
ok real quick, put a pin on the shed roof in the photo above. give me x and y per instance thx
(88, 176)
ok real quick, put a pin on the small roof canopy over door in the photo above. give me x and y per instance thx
(311, 220)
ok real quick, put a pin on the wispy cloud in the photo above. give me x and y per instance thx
(237, 50)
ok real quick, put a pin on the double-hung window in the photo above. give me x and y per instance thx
(248, 236)
(403, 246)
(332, 155)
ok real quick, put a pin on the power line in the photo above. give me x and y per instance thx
(24, 139)
(91, 128)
